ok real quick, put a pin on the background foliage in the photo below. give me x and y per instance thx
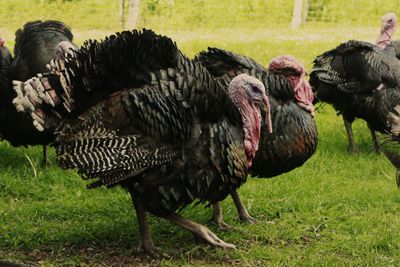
(193, 14)
(337, 209)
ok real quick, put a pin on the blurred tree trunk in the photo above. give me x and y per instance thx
(133, 13)
(297, 12)
(122, 13)
(306, 7)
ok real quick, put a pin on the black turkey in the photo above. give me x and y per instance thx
(161, 125)
(35, 45)
(294, 137)
(348, 75)
(5, 67)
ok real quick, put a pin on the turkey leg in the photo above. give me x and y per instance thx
(244, 215)
(44, 155)
(198, 230)
(349, 130)
(217, 217)
(146, 243)
(377, 148)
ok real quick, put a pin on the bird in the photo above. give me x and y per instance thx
(347, 76)
(133, 110)
(294, 136)
(5, 65)
(36, 44)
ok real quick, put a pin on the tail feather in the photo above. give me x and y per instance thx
(98, 152)
(97, 70)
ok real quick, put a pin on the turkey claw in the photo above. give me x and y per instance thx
(221, 224)
(247, 219)
(150, 249)
(206, 236)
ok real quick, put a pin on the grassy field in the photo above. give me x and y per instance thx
(337, 209)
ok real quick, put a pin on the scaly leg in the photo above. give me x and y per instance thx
(377, 147)
(146, 243)
(44, 156)
(217, 217)
(352, 148)
(198, 230)
(244, 215)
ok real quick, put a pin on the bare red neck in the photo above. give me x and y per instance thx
(251, 118)
(303, 93)
(389, 24)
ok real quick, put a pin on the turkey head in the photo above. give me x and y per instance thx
(295, 73)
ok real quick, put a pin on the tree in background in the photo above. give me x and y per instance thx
(122, 13)
(300, 12)
(133, 13)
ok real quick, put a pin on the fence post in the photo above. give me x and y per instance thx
(297, 12)
(133, 13)
(122, 13)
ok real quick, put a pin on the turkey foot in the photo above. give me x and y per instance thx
(352, 148)
(149, 248)
(217, 217)
(146, 242)
(199, 231)
(243, 214)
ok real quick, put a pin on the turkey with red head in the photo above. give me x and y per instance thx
(350, 76)
(135, 111)
(294, 136)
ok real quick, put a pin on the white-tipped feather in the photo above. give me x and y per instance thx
(38, 126)
(31, 93)
(49, 99)
(37, 118)
(394, 121)
(21, 102)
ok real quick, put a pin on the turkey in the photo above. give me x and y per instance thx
(294, 137)
(135, 111)
(5, 65)
(347, 76)
(35, 45)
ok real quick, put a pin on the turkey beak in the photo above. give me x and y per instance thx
(267, 110)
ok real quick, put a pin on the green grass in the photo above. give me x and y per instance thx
(337, 209)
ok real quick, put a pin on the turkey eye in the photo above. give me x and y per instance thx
(254, 89)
